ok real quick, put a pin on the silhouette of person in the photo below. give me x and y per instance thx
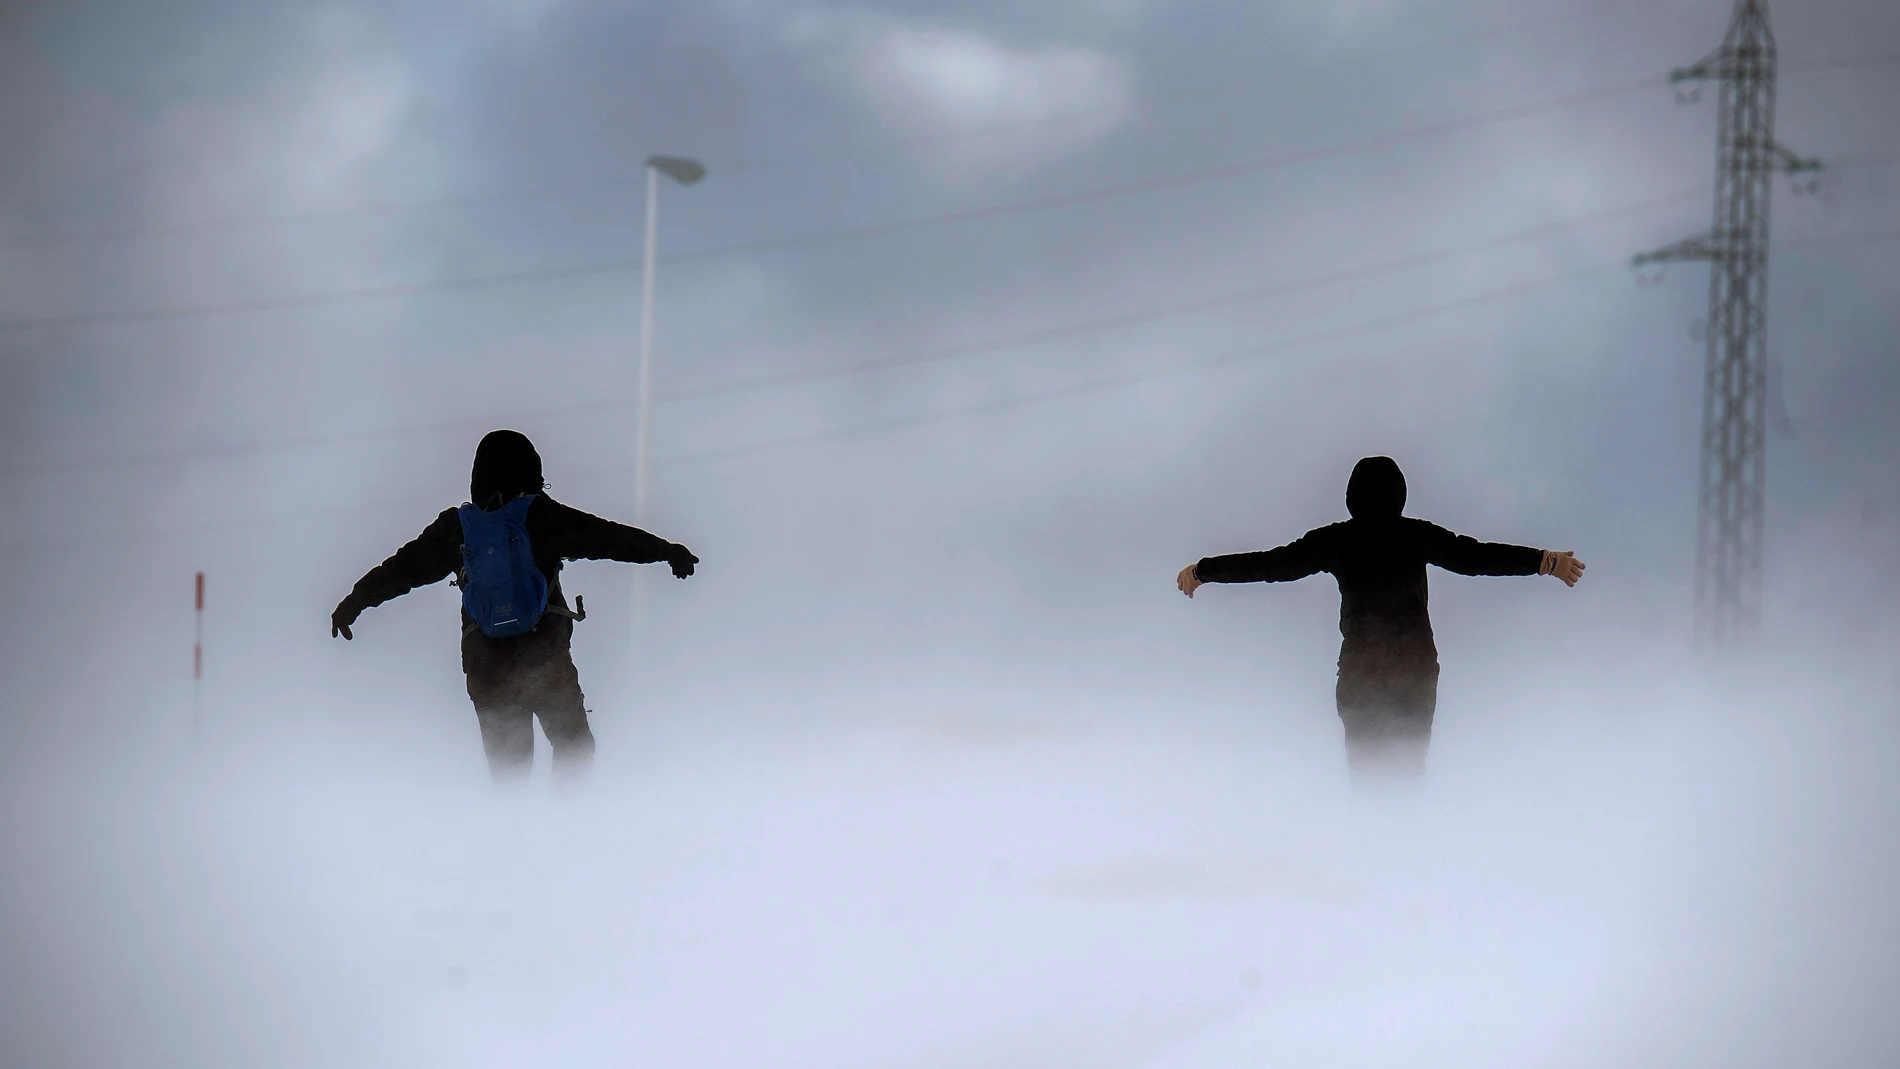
(1388, 662)
(513, 680)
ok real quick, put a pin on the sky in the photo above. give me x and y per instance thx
(987, 319)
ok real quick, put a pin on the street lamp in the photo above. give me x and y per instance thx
(686, 172)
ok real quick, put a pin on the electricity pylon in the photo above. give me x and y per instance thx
(1734, 424)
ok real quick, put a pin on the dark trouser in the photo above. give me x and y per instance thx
(1387, 708)
(512, 681)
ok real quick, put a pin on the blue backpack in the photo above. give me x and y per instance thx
(503, 592)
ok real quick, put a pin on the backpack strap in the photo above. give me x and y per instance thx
(576, 614)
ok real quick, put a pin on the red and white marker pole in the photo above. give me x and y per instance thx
(198, 662)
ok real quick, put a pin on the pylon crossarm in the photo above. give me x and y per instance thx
(1700, 247)
(1725, 62)
(1708, 70)
(1787, 160)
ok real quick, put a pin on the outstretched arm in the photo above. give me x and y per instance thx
(576, 535)
(1297, 559)
(1468, 556)
(428, 558)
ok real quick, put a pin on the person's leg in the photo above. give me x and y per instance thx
(1363, 722)
(564, 722)
(508, 740)
(1380, 748)
(507, 724)
(1387, 718)
(1417, 704)
(553, 688)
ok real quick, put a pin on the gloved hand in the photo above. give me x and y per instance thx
(1564, 565)
(346, 613)
(682, 560)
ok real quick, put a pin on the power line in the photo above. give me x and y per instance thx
(713, 456)
(1094, 386)
(1235, 297)
(1017, 341)
(986, 346)
(620, 265)
(1173, 311)
(1204, 363)
(1152, 374)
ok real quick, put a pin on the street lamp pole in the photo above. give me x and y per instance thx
(685, 172)
(644, 427)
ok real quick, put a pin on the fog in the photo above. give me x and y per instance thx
(987, 320)
(1625, 873)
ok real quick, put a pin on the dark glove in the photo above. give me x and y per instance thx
(345, 615)
(682, 560)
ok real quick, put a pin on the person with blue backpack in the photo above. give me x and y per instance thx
(506, 546)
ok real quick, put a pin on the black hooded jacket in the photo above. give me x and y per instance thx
(1378, 557)
(506, 466)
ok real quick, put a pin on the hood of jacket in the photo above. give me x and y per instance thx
(1376, 490)
(506, 464)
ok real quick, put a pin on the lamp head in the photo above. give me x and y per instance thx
(679, 168)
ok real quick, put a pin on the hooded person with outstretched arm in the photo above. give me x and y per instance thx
(1388, 663)
(517, 661)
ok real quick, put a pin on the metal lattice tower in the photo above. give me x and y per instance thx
(1734, 424)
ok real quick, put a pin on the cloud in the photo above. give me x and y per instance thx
(967, 79)
(312, 135)
(926, 80)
